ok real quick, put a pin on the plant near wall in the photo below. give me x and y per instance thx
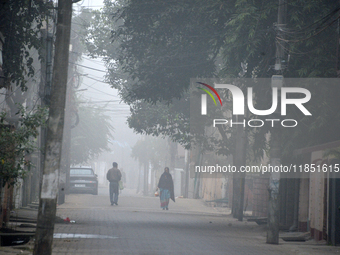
(17, 143)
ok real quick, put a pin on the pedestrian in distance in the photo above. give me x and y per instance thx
(166, 189)
(113, 176)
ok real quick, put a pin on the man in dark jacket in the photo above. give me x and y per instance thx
(114, 176)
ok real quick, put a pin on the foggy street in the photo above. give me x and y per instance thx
(231, 108)
(139, 226)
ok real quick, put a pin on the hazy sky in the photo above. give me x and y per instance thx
(101, 94)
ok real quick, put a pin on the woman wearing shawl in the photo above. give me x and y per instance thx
(166, 188)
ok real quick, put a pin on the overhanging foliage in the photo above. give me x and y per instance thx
(17, 143)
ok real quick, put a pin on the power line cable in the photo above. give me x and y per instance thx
(95, 69)
(309, 37)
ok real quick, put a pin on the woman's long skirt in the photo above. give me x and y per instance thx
(164, 197)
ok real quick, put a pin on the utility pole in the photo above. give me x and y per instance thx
(187, 173)
(64, 173)
(146, 178)
(49, 189)
(275, 140)
(239, 160)
(241, 147)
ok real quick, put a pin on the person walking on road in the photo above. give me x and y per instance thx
(166, 189)
(113, 176)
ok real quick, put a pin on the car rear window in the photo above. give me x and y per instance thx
(81, 171)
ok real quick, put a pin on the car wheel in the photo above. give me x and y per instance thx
(95, 192)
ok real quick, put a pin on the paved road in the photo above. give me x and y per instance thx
(138, 226)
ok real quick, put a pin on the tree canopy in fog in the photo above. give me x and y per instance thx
(141, 151)
(20, 23)
(157, 46)
(91, 136)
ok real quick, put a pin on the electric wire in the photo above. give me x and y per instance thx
(309, 37)
(95, 69)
